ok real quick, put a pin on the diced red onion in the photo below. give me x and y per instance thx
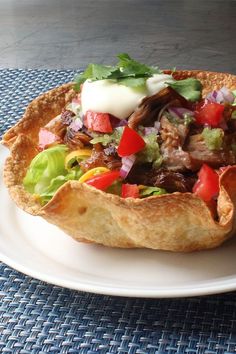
(181, 111)
(157, 125)
(76, 125)
(178, 112)
(127, 163)
(228, 95)
(215, 96)
(122, 123)
(224, 95)
(150, 130)
(116, 122)
(173, 113)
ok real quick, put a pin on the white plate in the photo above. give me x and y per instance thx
(34, 247)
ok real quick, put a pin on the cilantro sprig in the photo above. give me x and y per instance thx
(127, 71)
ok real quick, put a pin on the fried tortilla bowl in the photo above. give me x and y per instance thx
(173, 222)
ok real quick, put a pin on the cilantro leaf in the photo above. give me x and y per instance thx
(94, 72)
(100, 72)
(130, 67)
(128, 72)
(190, 88)
(138, 83)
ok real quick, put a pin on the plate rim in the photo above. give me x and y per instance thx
(204, 288)
(180, 292)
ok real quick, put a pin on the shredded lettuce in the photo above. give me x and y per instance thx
(47, 173)
(148, 191)
(151, 152)
(213, 138)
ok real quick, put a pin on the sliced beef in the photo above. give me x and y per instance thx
(199, 153)
(169, 180)
(151, 106)
(76, 140)
(67, 116)
(175, 181)
(56, 127)
(173, 137)
(101, 158)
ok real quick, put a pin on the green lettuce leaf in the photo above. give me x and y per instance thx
(56, 183)
(148, 191)
(47, 173)
(190, 88)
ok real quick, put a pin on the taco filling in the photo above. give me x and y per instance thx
(135, 131)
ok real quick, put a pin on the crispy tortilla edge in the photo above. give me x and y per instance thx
(22, 142)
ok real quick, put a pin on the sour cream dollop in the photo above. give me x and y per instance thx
(106, 96)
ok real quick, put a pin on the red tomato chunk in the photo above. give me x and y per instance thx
(207, 185)
(130, 142)
(129, 190)
(104, 180)
(210, 114)
(98, 122)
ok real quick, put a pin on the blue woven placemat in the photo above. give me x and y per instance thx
(36, 317)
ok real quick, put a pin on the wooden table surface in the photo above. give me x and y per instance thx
(70, 33)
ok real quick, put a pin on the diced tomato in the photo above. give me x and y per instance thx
(46, 138)
(130, 142)
(210, 113)
(104, 180)
(98, 122)
(207, 185)
(129, 190)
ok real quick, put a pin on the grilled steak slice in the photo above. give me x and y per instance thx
(199, 153)
(173, 137)
(76, 140)
(150, 107)
(169, 180)
(56, 127)
(67, 116)
(101, 158)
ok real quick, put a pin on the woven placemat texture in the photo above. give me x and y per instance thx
(36, 317)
